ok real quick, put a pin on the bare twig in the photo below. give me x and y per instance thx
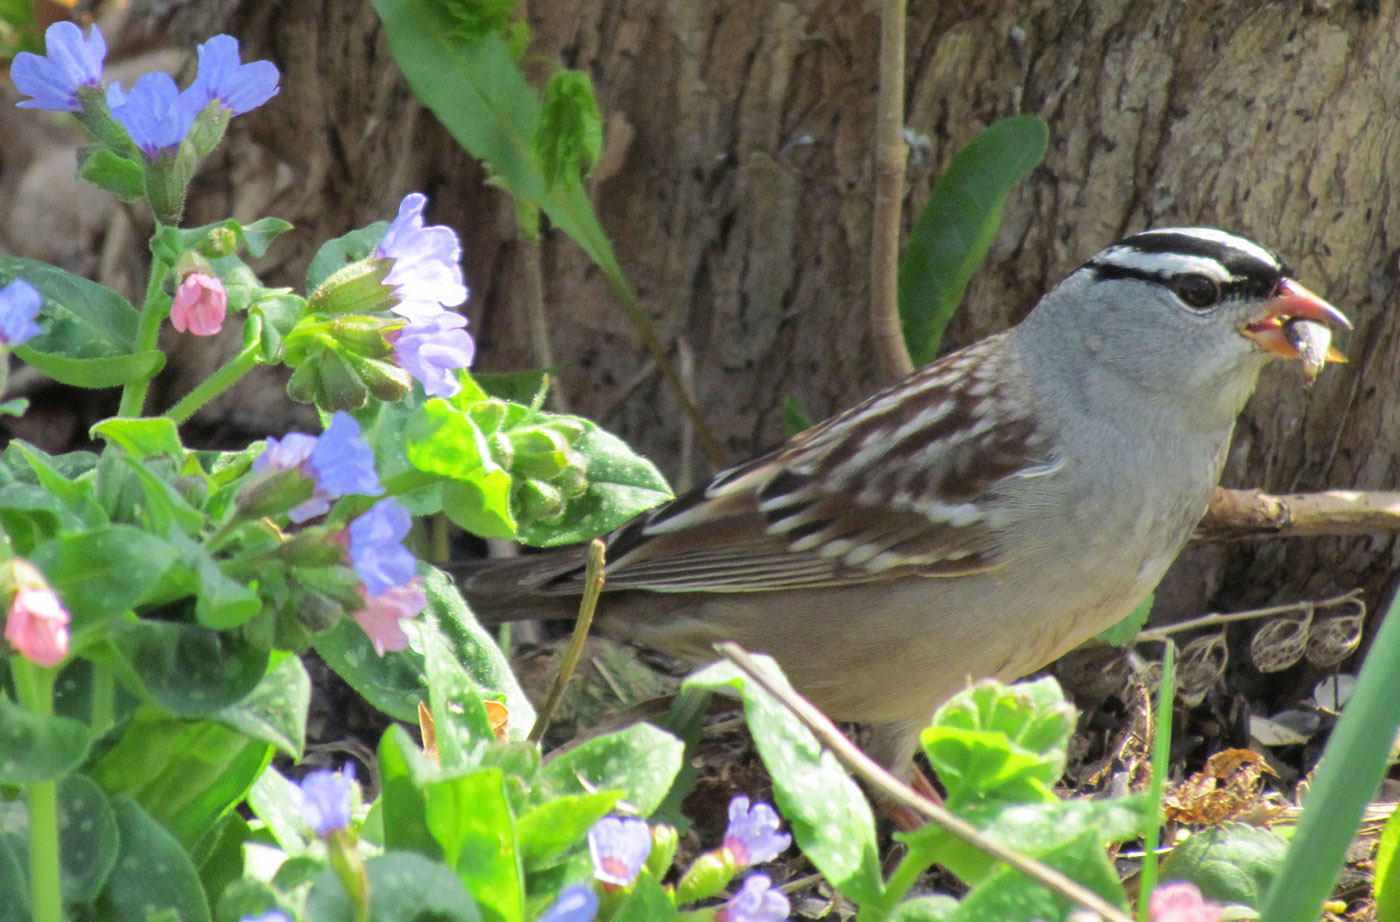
(890, 155)
(896, 791)
(1236, 514)
(532, 273)
(592, 587)
(1217, 618)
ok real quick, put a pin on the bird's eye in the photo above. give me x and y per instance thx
(1196, 290)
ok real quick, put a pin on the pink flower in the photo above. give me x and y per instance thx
(382, 613)
(37, 625)
(200, 305)
(1181, 902)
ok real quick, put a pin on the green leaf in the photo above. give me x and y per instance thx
(795, 418)
(121, 176)
(957, 226)
(277, 802)
(924, 909)
(36, 748)
(459, 715)
(569, 137)
(474, 87)
(71, 487)
(829, 815)
(337, 253)
(142, 438)
(87, 838)
(1009, 894)
(647, 902)
(14, 880)
(403, 772)
(1233, 863)
(97, 371)
(1033, 828)
(153, 875)
(640, 761)
(89, 331)
(187, 669)
(469, 817)
(1125, 631)
(100, 574)
(396, 682)
(185, 774)
(403, 887)
(275, 711)
(621, 483)
(1001, 743)
(1387, 889)
(545, 833)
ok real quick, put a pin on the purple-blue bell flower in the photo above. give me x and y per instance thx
(753, 836)
(576, 904)
(272, 915)
(342, 461)
(325, 799)
(338, 461)
(19, 305)
(432, 351)
(238, 87)
(619, 847)
(376, 547)
(427, 271)
(53, 79)
(155, 113)
(756, 901)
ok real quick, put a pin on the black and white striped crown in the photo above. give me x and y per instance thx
(1240, 267)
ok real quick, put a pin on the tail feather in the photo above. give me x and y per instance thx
(520, 588)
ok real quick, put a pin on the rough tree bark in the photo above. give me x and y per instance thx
(737, 192)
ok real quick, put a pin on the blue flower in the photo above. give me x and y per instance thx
(338, 461)
(342, 461)
(432, 350)
(155, 113)
(238, 87)
(19, 305)
(756, 901)
(753, 836)
(272, 915)
(619, 846)
(325, 799)
(427, 270)
(376, 547)
(53, 80)
(576, 904)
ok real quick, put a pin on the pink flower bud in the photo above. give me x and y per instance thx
(382, 613)
(37, 625)
(200, 305)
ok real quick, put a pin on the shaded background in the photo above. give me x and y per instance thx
(736, 189)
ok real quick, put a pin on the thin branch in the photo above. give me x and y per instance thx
(1237, 514)
(1215, 619)
(890, 154)
(896, 791)
(592, 588)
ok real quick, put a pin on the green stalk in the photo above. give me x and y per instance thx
(154, 310)
(34, 688)
(214, 385)
(1161, 762)
(1352, 767)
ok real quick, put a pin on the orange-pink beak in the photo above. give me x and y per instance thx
(1294, 302)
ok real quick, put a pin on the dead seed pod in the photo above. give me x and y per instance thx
(1201, 664)
(1281, 642)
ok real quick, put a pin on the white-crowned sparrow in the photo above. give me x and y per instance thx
(981, 517)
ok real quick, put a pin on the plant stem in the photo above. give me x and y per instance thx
(592, 588)
(890, 154)
(1352, 766)
(214, 385)
(1161, 758)
(104, 697)
(154, 310)
(34, 688)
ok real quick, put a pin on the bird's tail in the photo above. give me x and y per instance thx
(520, 588)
